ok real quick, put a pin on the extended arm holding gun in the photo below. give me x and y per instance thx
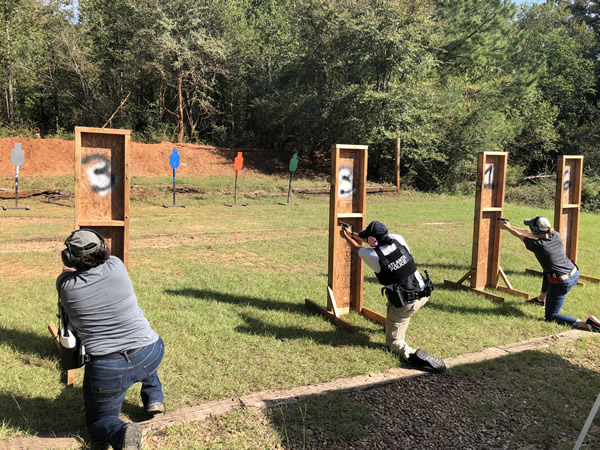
(520, 233)
(353, 239)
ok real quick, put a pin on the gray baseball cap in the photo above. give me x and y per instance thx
(83, 242)
(542, 223)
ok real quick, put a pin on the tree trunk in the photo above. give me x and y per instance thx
(180, 117)
(10, 100)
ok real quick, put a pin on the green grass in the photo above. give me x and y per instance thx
(225, 288)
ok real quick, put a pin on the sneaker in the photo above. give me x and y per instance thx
(155, 408)
(593, 324)
(536, 301)
(132, 437)
(423, 359)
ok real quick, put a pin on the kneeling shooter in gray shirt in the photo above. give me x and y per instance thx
(98, 297)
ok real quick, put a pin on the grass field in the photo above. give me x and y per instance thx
(225, 288)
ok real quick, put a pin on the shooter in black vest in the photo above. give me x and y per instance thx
(406, 290)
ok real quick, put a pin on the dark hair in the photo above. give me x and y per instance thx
(89, 261)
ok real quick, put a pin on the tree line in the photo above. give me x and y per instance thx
(448, 78)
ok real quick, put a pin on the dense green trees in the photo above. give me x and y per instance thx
(449, 78)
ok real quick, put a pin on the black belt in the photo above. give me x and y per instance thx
(118, 355)
(406, 297)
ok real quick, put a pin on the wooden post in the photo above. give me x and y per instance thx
(102, 190)
(397, 164)
(567, 204)
(102, 186)
(489, 205)
(348, 203)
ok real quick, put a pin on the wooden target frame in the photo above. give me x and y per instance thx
(487, 237)
(567, 207)
(102, 187)
(347, 203)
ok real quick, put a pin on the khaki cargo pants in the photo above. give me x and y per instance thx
(396, 325)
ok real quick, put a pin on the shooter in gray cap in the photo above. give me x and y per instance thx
(405, 288)
(560, 273)
(121, 347)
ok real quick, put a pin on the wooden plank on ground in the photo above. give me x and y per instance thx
(373, 315)
(328, 314)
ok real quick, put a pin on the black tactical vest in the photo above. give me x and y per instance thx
(398, 268)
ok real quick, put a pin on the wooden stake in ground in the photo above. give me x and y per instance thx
(174, 160)
(489, 205)
(17, 157)
(238, 163)
(293, 167)
(397, 164)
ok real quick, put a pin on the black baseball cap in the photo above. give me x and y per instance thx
(375, 229)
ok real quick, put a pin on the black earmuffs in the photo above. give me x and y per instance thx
(534, 229)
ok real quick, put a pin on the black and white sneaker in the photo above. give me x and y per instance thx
(593, 324)
(132, 437)
(424, 360)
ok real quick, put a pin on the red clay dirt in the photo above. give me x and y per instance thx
(57, 157)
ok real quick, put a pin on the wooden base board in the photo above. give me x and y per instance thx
(588, 278)
(494, 297)
(513, 292)
(70, 375)
(327, 314)
(373, 315)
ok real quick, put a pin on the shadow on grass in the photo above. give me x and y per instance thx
(466, 268)
(62, 416)
(528, 398)
(487, 307)
(29, 343)
(242, 300)
(339, 336)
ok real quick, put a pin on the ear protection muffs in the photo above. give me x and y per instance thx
(372, 241)
(534, 229)
(67, 255)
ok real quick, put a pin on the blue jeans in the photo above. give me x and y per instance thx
(105, 384)
(555, 298)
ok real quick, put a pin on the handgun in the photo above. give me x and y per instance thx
(502, 219)
(344, 224)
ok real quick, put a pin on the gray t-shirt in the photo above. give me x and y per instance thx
(550, 253)
(103, 309)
